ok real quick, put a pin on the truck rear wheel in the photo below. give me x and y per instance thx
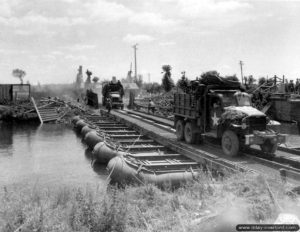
(230, 143)
(189, 133)
(180, 130)
(269, 147)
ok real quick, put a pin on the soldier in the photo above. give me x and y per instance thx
(121, 88)
(297, 86)
(286, 86)
(151, 106)
(291, 86)
(108, 105)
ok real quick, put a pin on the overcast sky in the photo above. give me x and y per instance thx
(49, 39)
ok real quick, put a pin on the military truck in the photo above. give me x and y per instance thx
(221, 109)
(115, 92)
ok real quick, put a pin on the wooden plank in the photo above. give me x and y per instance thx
(267, 107)
(187, 164)
(37, 110)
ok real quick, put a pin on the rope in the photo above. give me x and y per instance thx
(140, 168)
(137, 139)
(140, 181)
(108, 177)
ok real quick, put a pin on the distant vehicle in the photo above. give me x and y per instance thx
(115, 92)
(221, 109)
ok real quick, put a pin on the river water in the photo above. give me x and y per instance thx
(51, 154)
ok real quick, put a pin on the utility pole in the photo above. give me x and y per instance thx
(241, 64)
(135, 66)
(149, 78)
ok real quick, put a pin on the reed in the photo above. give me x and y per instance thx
(203, 205)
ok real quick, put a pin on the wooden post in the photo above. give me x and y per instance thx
(37, 110)
(242, 76)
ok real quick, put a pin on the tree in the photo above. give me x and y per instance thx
(167, 82)
(262, 80)
(156, 87)
(251, 80)
(152, 87)
(95, 79)
(88, 81)
(19, 73)
(183, 83)
(89, 74)
(79, 78)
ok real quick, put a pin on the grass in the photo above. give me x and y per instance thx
(204, 205)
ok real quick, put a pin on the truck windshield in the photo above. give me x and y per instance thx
(229, 99)
(235, 99)
(243, 100)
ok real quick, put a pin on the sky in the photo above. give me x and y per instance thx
(49, 39)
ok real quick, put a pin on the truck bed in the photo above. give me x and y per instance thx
(186, 105)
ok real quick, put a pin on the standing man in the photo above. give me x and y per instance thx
(151, 106)
(108, 105)
(297, 86)
(291, 86)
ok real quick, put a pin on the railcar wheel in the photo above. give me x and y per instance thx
(190, 135)
(269, 147)
(230, 143)
(180, 130)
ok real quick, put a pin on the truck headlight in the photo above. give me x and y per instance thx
(244, 125)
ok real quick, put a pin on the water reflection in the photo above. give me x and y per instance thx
(51, 153)
(88, 154)
(6, 138)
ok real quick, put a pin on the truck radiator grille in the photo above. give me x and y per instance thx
(257, 123)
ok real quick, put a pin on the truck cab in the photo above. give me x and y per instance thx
(224, 113)
(116, 100)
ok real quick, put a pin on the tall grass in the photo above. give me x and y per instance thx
(203, 205)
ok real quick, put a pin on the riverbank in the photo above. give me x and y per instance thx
(206, 205)
(5, 111)
(61, 111)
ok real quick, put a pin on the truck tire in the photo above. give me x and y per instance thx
(189, 133)
(180, 130)
(268, 147)
(230, 143)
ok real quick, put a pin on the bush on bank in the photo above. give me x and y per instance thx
(204, 205)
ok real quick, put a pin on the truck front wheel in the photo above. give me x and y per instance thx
(268, 147)
(189, 133)
(179, 130)
(230, 143)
